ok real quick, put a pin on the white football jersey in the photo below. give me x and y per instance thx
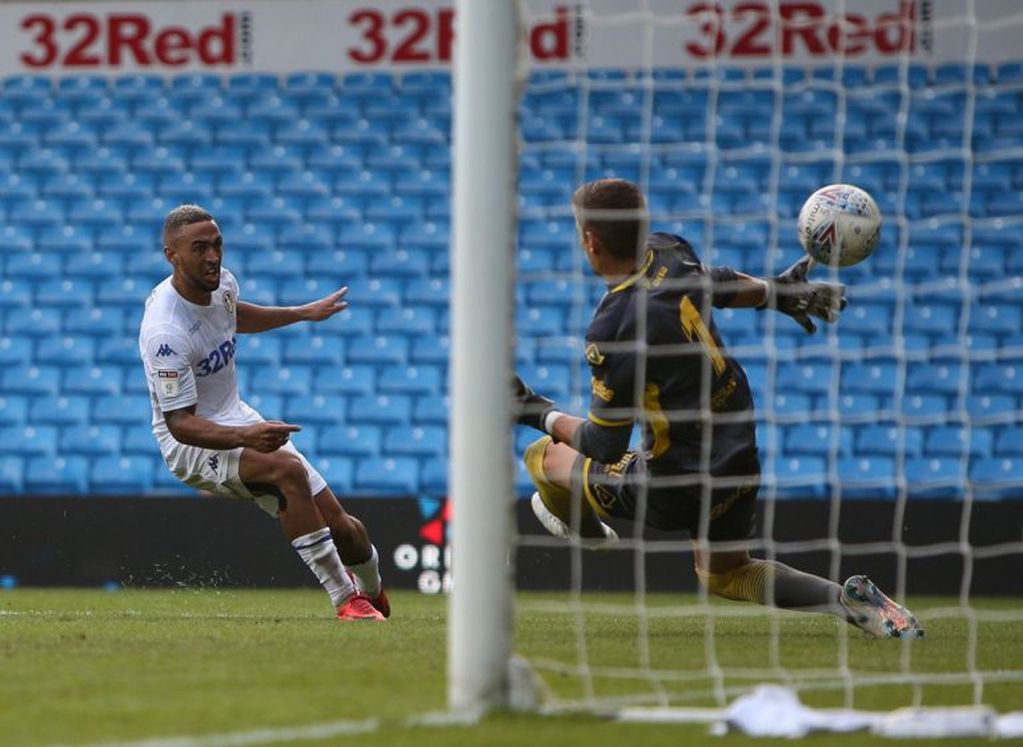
(188, 355)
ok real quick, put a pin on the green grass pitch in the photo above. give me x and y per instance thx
(88, 667)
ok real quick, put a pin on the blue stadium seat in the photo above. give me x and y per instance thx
(349, 380)
(934, 318)
(119, 350)
(997, 378)
(15, 350)
(126, 409)
(381, 410)
(313, 350)
(435, 350)
(431, 410)
(314, 408)
(411, 321)
(358, 441)
(13, 409)
(42, 322)
(808, 376)
(540, 321)
(1001, 319)
(552, 381)
(877, 377)
(287, 380)
(56, 475)
(998, 477)
(96, 322)
(1009, 441)
(417, 441)
(798, 477)
(931, 477)
(955, 440)
(30, 440)
(35, 380)
(817, 439)
(410, 380)
(402, 263)
(431, 291)
(259, 350)
(60, 410)
(11, 474)
(270, 406)
(941, 377)
(337, 471)
(925, 408)
(888, 440)
(121, 474)
(985, 408)
(139, 439)
(91, 440)
(433, 477)
(388, 475)
(867, 477)
(378, 349)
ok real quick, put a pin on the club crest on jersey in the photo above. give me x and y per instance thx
(593, 355)
(229, 302)
(168, 381)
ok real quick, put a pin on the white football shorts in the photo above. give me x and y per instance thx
(217, 472)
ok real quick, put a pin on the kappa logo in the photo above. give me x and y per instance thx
(164, 350)
(214, 462)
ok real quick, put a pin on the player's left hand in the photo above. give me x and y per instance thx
(325, 308)
(529, 407)
(791, 293)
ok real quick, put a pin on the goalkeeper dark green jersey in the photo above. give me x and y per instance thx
(656, 357)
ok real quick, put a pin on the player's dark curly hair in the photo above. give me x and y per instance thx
(183, 215)
(615, 210)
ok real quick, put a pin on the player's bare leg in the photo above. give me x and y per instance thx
(305, 527)
(735, 575)
(355, 549)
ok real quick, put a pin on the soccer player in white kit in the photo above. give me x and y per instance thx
(213, 441)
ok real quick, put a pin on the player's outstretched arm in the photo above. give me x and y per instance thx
(265, 436)
(253, 318)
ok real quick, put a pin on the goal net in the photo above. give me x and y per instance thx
(890, 442)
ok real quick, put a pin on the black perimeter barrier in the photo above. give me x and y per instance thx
(138, 542)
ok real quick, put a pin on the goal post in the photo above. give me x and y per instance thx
(482, 275)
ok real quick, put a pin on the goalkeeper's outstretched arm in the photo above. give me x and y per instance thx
(790, 293)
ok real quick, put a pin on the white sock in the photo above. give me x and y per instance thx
(367, 574)
(318, 551)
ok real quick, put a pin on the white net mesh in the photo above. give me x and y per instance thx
(890, 442)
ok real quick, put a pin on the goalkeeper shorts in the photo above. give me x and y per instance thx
(216, 472)
(627, 490)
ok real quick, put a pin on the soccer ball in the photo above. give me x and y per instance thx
(839, 225)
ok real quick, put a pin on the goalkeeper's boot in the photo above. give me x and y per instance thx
(380, 601)
(593, 533)
(875, 612)
(553, 505)
(359, 607)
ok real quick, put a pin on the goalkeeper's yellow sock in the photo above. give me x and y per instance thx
(775, 584)
(557, 499)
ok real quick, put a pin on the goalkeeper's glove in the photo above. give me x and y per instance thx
(791, 293)
(529, 407)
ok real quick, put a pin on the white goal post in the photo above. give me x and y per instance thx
(482, 275)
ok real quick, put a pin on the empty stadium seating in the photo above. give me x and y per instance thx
(320, 180)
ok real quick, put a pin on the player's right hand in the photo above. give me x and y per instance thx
(529, 407)
(268, 435)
